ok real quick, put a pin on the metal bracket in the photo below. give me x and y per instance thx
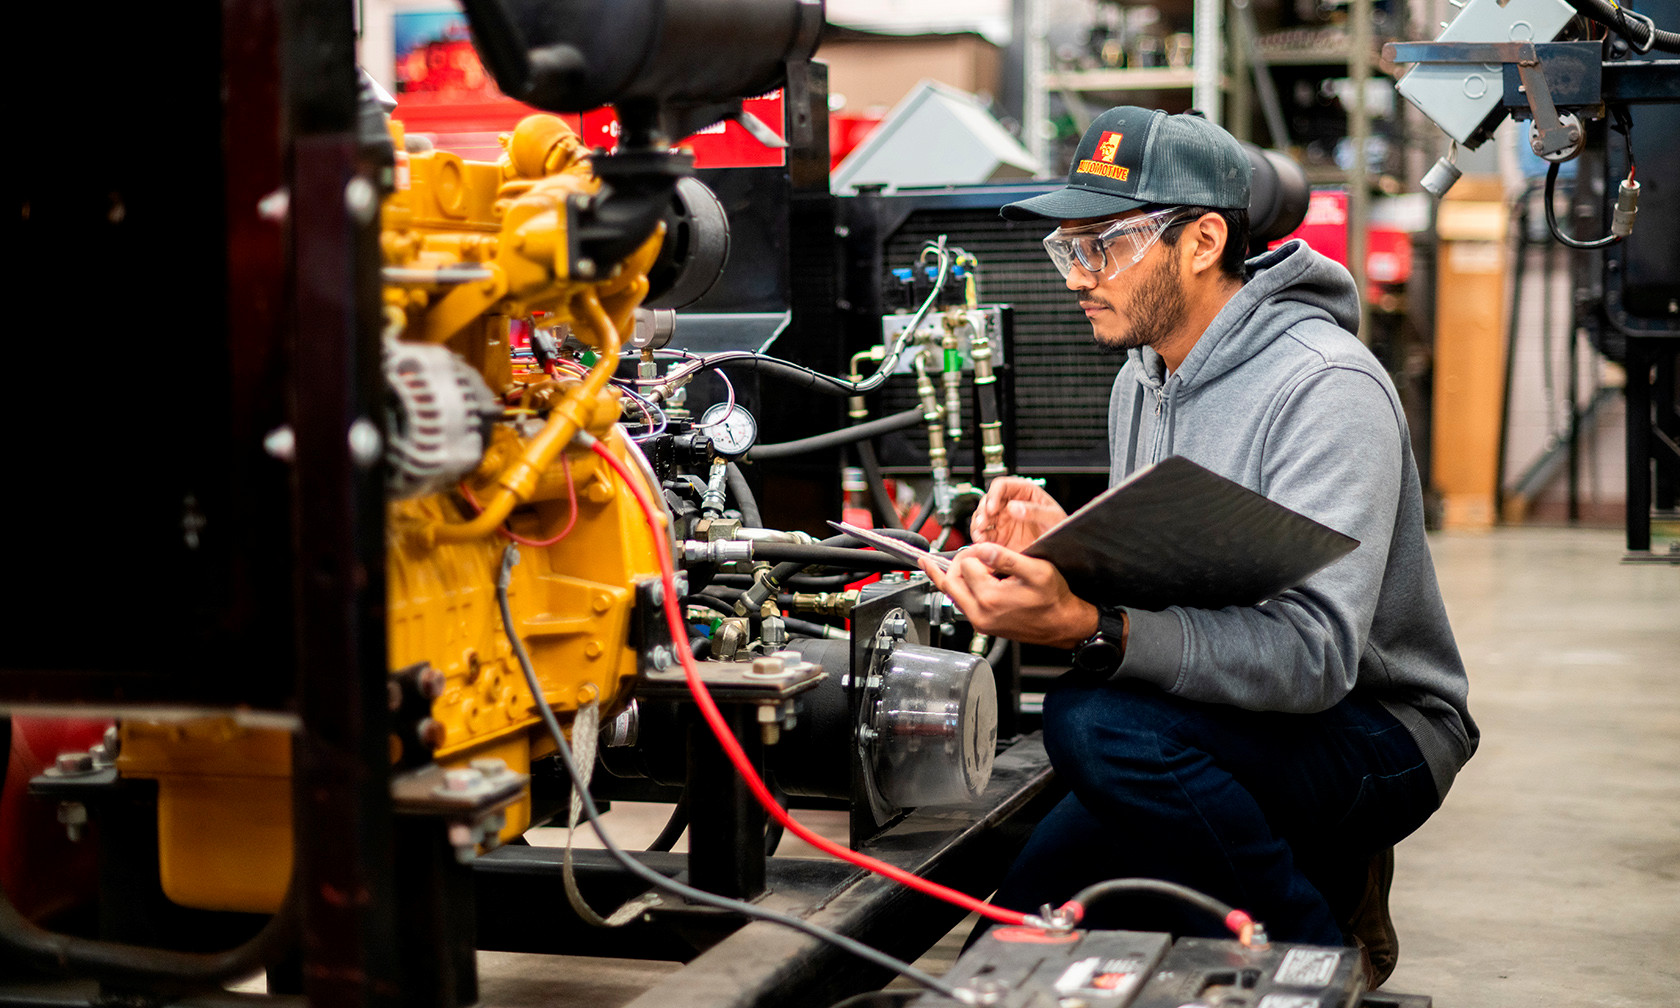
(1552, 135)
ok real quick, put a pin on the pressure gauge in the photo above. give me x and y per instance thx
(731, 428)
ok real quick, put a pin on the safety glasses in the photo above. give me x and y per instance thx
(1105, 249)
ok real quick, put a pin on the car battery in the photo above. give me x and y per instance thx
(1020, 967)
(1226, 974)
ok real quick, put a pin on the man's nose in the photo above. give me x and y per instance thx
(1079, 278)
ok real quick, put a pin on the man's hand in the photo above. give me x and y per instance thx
(1006, 594)
(1013, 513)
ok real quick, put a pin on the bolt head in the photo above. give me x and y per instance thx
(275, 206)
(431, 732)
(73, 762)
(462, 779)
(366, 446)
(361, 199)
(431, 682)
(281, 443)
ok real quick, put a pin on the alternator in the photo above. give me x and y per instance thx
(440, 417)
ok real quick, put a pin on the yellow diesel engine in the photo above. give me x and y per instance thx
(408, 528)
(484, 457)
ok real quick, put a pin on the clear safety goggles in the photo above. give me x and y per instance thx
(1107, 248)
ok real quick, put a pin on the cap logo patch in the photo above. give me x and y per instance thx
(1102, 161)
(1116, 172)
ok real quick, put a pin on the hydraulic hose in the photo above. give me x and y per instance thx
(801, 556)
(806, 628)
(999, 650)
(834, 439)
(711, 602)
(148, 968)
(798, 581)
(741, 490)
(800, 377)
(795, 562)
(885, 506)
(674, 826)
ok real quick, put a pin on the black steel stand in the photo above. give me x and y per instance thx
(1653, 441)
(522, 906)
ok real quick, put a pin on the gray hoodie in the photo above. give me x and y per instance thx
(1281, 397)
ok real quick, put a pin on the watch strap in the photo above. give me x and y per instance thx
(1104, 650)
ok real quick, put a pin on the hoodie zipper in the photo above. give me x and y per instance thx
(1163, 428)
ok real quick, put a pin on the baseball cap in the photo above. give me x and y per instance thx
(1132, 157)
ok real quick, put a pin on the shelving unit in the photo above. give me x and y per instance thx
(1123, 79)
(1200, 84)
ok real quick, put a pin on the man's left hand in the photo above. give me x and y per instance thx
(1008, 594)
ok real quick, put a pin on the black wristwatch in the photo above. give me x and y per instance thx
(1103, 651)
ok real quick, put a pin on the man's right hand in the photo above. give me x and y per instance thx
(1013, 513)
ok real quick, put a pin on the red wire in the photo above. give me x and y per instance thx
(738, 757)
(571, 498)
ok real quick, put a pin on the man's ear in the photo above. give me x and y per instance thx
(1211, 232)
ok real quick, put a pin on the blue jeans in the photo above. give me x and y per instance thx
(1276, 814)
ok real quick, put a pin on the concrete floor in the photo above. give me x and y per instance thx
(1551, 878)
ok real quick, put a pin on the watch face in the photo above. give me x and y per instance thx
(1098, 654)
(731, 428)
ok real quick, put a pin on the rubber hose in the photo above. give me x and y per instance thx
(741, 490)
(136, 966)
(843, 436)
(885, 506)
(1606, 14)
(800, 555)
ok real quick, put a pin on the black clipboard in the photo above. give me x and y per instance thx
(1177, 533)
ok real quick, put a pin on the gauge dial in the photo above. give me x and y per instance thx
(732, 429)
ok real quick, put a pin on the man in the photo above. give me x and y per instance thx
(1269, 755)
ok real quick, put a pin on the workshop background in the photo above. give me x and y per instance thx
(1539, 383)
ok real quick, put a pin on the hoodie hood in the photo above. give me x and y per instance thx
(1286, 286)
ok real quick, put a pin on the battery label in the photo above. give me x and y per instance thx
(1288, 1001)
(1100, 977)
(1308, 967)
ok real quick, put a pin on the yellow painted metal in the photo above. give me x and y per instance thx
(224, 809)
(224, 790)
(571, 604)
